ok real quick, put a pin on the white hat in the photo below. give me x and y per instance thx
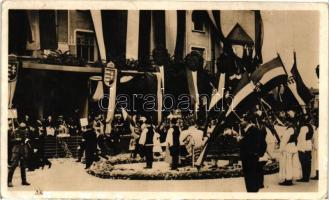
(143, 119)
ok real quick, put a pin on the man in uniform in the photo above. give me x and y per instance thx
(19, 154)
(90, 145)
(173, 141)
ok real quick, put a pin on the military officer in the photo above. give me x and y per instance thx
(173, 140)
(19, 154)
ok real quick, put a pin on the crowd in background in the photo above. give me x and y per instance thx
(287, 137)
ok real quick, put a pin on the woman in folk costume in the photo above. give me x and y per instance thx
(290, 168)
(315, 168)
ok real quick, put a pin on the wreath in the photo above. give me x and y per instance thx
(160, 56)
(194, 61)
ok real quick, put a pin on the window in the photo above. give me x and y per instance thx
(85, 46)
(198, 19)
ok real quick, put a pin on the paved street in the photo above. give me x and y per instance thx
(67, 175)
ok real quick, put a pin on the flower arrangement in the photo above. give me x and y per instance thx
(106, 169)
(194, 61)
(57, 57)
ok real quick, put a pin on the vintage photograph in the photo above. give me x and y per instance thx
(162, 101)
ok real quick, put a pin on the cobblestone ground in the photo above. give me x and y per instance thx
(67, 175)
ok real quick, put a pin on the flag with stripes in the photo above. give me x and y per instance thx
(13, 67)
(301, 88)
(244, 95)
(133, 34)
(269, 75)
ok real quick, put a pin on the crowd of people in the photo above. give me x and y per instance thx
(288, 137)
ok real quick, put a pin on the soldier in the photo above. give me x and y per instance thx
(173, 140)
(90, 145)
(19, 154)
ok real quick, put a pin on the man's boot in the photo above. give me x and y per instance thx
(25, 183)
(23, 176)
(10, 177)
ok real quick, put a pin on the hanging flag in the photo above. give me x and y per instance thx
(96, 16)
(194, 63)
(214, 16)
(114, 23)
(302, 90)
(269, 75)
(243, 96)
(33, 16)
(159, 99)
(259, 35)
(171, 30)
(181, 32)
(13, 67)
(132, 34)
(112, 96)
(220, 92)
(144, 42)
(48, 29)
(96, 88)
(20, 31)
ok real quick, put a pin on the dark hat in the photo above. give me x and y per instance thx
(239, 36)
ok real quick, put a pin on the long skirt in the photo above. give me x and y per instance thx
(314, 162)
(290, 168)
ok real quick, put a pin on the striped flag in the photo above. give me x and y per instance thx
(13, 67)
(298, 94)
(123, 34)
(219, 94)
(243, 96)
(269, 75)
(302, 90)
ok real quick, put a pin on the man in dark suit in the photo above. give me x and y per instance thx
(147, 139)
(90, 145)
(19, 154)
(174, 143)
(262, 145)
(249, 153)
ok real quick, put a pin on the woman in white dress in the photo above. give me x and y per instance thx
(315, 169)
(290, 168)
